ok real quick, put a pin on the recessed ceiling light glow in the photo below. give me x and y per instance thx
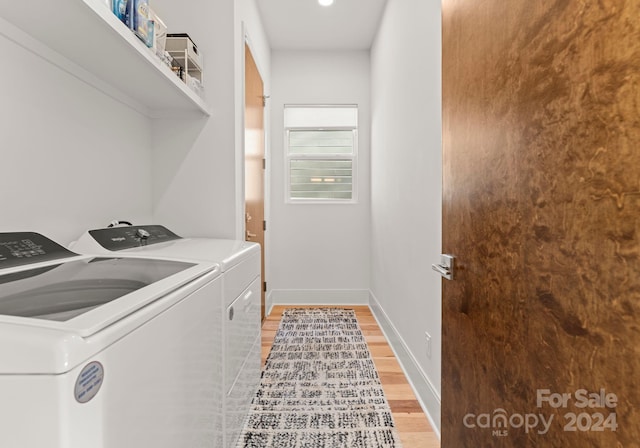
(326, 2)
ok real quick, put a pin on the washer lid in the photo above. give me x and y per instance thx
(63, 291)
(58, 315)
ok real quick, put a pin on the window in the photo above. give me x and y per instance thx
(321, 153)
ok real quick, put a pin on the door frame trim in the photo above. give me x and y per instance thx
(240, 177)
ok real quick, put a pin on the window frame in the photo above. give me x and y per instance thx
(353, 157)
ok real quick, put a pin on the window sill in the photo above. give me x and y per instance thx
(320, 202)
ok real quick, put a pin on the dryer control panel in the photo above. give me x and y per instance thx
(22, 248)
(120, 238)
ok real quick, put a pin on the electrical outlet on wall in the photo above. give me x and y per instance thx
(427, 338)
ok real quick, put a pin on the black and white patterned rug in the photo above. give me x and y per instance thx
(319, 388)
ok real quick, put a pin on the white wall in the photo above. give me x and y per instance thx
(101, 160)
(198, 162)
(72, 158)
(194, 158)
(406, 165)
(319, 253)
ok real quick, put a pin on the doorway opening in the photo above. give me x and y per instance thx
(254, 161)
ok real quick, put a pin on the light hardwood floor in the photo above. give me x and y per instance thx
(413, 426)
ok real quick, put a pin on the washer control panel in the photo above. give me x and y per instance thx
(22, 248)
(120, 238)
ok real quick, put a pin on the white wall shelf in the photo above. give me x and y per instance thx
(88, 34)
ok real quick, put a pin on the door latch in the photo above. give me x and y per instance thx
(445, 267)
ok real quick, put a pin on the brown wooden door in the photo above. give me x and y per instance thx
(254, 158)
(541, 207)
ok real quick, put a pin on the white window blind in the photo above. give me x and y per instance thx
(321, 153)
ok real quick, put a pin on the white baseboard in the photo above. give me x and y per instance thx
(319, 297)
(425, 392)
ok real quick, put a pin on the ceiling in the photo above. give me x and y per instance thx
(305, 25)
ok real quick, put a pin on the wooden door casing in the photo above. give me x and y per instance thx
(254, 159)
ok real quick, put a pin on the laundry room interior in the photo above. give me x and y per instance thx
(99, 134)
(93, 153)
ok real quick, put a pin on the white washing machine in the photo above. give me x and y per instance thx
(240, 265)
(107, 352)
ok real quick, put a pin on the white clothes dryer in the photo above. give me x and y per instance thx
(107, 352)
(240, 265)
